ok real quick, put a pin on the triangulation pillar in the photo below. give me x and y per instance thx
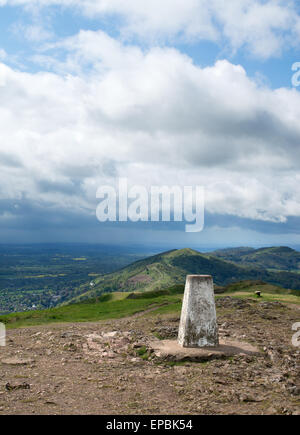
(198, 322)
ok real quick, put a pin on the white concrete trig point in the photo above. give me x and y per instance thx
(198, 322)
(2, 334)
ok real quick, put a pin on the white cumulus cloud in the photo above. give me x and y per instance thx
(262, 27)
(109, 110)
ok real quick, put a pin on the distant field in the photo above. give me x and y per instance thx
(44, 276)
(47, 276)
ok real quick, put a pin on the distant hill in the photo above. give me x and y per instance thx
(253, 286)
(170, 268)
(274, 258)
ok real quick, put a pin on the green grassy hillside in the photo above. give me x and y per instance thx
(105, 307)
(275, 258)
(115, 306)
(170, 268)
(253, 286)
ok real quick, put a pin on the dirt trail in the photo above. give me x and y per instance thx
(149, 310)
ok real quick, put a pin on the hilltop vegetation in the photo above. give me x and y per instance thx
(170, 268)
(45, 276)
(274, 258)
(119, 305)
(105, 307)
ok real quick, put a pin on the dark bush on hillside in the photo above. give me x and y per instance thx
(148, 295)
(101, 298)
(176, 289)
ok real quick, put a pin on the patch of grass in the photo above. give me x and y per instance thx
(133, 405)
(253, 286)
(144, 353)
(271, 297)
(157, 335)
(114, 306)
(103, 309)
(175, 290)
(148, 295)
(174, 307)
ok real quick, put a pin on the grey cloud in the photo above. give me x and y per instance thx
(71, 187)
(291, 226)
(31, 221)
(104, 167)
(10, 160)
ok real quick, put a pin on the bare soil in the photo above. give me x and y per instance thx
(109, 368)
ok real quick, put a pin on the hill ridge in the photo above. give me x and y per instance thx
(170, 268)
(274, 258)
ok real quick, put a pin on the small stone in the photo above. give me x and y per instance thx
(294, 390)
(110, 334)
(249, 398)
(17, 361)
(23, 386)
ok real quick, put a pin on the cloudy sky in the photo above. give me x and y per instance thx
(173, 92)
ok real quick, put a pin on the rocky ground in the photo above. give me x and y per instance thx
(109, 368)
